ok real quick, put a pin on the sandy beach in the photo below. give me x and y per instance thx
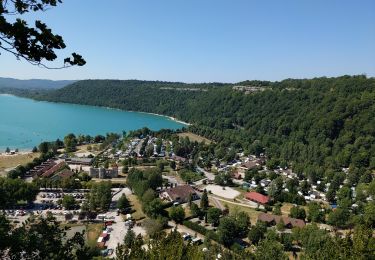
(9, 161)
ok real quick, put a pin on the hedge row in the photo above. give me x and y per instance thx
(202, 230)
(196, 227)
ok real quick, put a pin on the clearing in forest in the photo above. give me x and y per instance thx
(195, 137)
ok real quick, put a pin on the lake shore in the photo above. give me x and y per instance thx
(111, 108)
(31, 121)
(170, 117)
(149, 113)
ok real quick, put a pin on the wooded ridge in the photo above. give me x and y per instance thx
(320, 122)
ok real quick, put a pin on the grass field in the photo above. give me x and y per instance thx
(10, 161)
(169, 171)
(194, 137)
(253, 214)
(83, 149)
(93, 231)
(285, 209)
(137, 207)
(73, 228)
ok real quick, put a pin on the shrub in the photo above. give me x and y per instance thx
(196, 227)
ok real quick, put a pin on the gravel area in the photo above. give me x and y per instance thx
(225, 192)
(118, 227)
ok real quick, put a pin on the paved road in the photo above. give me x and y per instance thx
(174, 180)
(209, 176)
(119, 193)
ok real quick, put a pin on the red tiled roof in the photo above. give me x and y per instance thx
(250, 164)
(294, 222)
(257, 197)
(179, 158)
(53, 169)
(66, 174)
(45, 166)
(266, 217)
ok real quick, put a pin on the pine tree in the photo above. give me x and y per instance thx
(204, 200)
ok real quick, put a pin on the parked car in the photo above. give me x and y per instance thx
(186, 237)
(197, 241)
(129, 223)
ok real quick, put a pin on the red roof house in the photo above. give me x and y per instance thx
(54, 169)
(66, 174)
(257, 197)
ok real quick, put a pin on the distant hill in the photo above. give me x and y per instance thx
(33, 83)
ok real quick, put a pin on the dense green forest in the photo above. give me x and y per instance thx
(322, 123)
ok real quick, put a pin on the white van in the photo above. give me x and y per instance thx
(102, 216)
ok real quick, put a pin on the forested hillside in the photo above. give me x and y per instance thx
(314, 124)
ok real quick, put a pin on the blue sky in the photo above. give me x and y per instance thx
(209, 40)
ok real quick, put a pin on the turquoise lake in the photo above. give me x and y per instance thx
(24, 123)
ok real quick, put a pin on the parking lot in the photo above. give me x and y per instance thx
(47, 201)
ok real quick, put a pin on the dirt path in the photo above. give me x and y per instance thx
(217, 203)
(237, 203)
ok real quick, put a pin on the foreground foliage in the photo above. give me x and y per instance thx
(40, 238)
